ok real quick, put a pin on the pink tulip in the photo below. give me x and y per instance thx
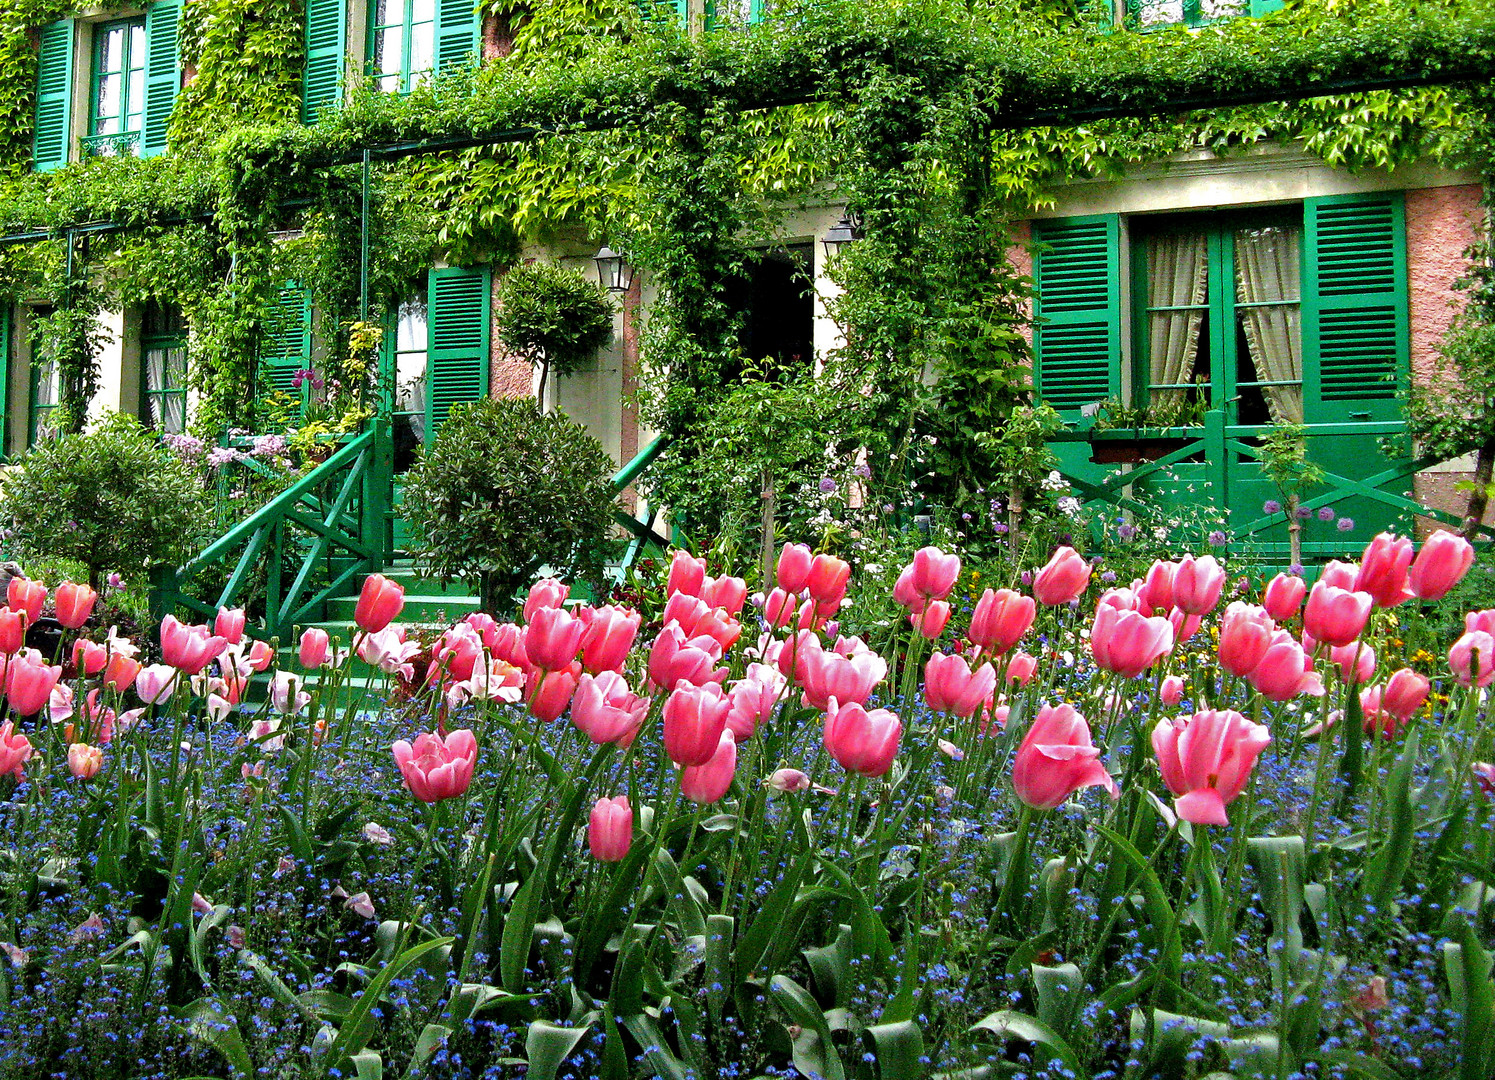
(694, 719)
(1062, 579)
(686, 611)
(605, 644)
(720, 627)
(799, 651)
(1156, 593)
(610, 829)
(553, 638)
(1206, 760)
(1383, 570)
(1197, 584)
(1285, 671)
(1390, 707)
(1171, 691)
(28, 685)
(862, 742)
(12, 630)
(188, 648)
(673, 657)
(1441, 564)
(549, 691)
(1474, 620)
(794, 567)
(950, 686)
(435, 768)
(155, 684)
(687, 574)
(1335, 616)
(506, 643)
(545, 593)
(827, 581)
(315, 647)
(1472, 658)
(753, 700)
(788, 780)
(84, 761)
(74, 604)
(229, 624)
(1185, 626)
(606, 711)
(1122, 599)
(287, 695)
(1020, 669)
(261, 656)
(1000, 620)
(379, 604)
(706, 783)
(1127, 643)
(89, 657)
(26, 597)
(1357, 661)
(121, 671)
(1284, 596)
(727, 593)
(930, 623)
(849, 679)
(778, 609)
(935, 572)
(1057, 758)
(1245, 632)
(15, 751)
(905, 594)
(1340, 574)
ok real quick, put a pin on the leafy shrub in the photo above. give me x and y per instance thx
(505, 490)
(112, 498)
(553, 317)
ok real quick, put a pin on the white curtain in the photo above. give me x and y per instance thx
(1266, 262)
(1177, 267)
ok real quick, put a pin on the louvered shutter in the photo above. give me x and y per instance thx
(458, 32)
(1262, 7)
(1355, 323)
(287, 340)
(678, 10)
(162, 75)
(54, 97)
(457, 357)
(326, 42)
(1077, 336)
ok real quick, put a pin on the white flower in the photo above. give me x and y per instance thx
(375, 833)
(1054, 482)
(1069, 505)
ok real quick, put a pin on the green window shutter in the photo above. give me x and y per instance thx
(1263, 7)
(4, 378)
(162, 75)
(678, 10)
(457, 329)
(287, 346)
(1077, 333)
(1355, 323)
(458, 33)
(54, 97)
(326, 42)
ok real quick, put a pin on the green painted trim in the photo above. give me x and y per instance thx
(326, 42)
(1086, 315)
(54, 97)
(5, 346)
(130, 64)
(163, 75)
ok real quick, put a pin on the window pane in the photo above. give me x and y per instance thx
(422, 11)
(136, 53)
(1159, 12)
(422, 51)
(173, 419)
(176, 368)
(155, 371)
(111, 49)
(46, 383)
(387, 50)
(108, 104)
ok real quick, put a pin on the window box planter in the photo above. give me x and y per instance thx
(1134, 446)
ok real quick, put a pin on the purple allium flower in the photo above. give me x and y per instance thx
(1217, 538)
(863, 470)
(1271, 506)
(1296, 569)
(1345, 524)
(1126, 531)
(1305, 513)
(1000, 529)
(965, 517)
(1108, 576)
(1027, 577)
(827, 485)
(115, 581)
(1326, 513)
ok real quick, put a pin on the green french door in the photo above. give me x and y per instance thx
(1260, 318)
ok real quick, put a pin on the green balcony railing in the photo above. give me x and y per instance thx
(639, 524)
(315, 540)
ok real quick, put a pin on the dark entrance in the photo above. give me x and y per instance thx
(778, 299)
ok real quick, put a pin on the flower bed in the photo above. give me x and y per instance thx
(1156, 833)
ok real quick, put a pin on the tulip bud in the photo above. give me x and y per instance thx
(610, 829)
(74, 604)
(1062, 579)
(229, 625)
(84, 761)
(1284, 596)
(315, 647)
(1441, 564)
(379, 603)
(1057, 758)
(794, 567)
(1171, 692)
(705, 784)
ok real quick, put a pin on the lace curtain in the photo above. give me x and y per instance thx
(1177, 267)
(1267, 270)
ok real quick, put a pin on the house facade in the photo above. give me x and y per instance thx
(1212, 297)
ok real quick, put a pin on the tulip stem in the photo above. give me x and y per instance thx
(1017, 868)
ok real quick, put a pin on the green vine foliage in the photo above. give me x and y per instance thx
(246, 58)
(19, 20)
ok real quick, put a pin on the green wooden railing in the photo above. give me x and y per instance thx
(313, 541)
(1224, 448)
(639, 525)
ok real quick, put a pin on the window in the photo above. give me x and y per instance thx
(409, 344)
(1152, 14)
(46, 393)
(117, 99)
(1220, 317)
(131, 74)
(403, 43)
(163, 377)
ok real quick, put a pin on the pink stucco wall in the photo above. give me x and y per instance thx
(1441, 223)
(507, 377)
(1020, 258)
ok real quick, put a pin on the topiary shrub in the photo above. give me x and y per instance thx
(112, 498)
(552, 317)
(505, 490)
